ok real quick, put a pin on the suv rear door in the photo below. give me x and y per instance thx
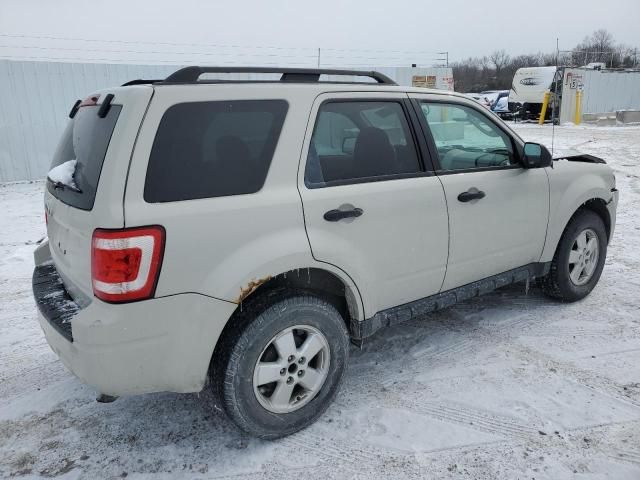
(372, 206)
(498, 210)
(101, 148)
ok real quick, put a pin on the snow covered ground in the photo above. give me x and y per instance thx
(511, 385)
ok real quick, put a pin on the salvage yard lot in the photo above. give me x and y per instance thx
(510, 385)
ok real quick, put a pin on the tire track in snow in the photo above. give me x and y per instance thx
(433, 357)
(572, 373)
(474, 418)
(569, 332)
(332, 450)
(626, 456)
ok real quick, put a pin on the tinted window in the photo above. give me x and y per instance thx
(85, 140)
(213, 149)
(467, 139)
(356, 140)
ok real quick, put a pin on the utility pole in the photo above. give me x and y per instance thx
(318, 57)
(445, 59)
(555, 112)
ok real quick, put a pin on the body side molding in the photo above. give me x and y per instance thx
(360, 330)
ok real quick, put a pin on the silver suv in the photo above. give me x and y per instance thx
(241, 233)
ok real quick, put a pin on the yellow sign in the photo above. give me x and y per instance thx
(425, 81)
(419, 81)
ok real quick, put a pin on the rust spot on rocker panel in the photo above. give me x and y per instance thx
(251, 287)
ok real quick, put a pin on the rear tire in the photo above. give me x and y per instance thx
(579, 258)
(280, 372)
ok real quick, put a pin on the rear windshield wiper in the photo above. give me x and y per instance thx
(63, 186)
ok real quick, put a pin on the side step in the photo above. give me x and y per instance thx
(417, 308)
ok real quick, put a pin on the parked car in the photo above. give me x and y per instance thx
(501, 105)
(488, 97)
(240, 234)
(475, 96)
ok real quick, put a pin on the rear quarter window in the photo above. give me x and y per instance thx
(213, 149)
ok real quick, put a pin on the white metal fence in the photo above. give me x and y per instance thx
(35, 99)
(603, 91)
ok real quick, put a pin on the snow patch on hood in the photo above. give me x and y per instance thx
(63, 174)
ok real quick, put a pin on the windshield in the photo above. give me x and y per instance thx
(77, 163)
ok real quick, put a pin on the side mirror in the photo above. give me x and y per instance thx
(535, 156)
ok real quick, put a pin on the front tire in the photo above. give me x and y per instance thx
(282, 371)
(579, 258)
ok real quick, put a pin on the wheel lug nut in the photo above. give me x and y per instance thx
(301, 360)
(300, 373)
(290, 380)
(291, 358)
(283, 371)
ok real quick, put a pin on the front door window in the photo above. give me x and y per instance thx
(466, 139)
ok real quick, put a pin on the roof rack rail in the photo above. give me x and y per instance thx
(139, 81)
(297, 75)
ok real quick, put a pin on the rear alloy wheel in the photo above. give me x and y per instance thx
(281, 372)
(579, 258)
(292, 369)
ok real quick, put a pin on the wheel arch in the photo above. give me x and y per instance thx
(595, 204)
(319, 281)
(599, 207)
(338, 291)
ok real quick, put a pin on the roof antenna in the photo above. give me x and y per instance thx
(556, 105)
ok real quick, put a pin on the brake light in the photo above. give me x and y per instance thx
(90, 101)
(125, 264)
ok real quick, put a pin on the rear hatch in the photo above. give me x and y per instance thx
(85, 185)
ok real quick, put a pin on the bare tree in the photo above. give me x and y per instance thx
(597, 47)
(602, 40)
(499, 59)
(496, 71)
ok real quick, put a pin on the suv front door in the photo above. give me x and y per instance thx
(371, 205)
(498, 210)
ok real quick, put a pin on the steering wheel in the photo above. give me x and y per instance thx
(482, 156)
(504, 163)
(483, 127)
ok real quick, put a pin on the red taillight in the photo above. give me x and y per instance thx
(125, 264)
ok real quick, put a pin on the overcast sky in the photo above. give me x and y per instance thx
(269, 32)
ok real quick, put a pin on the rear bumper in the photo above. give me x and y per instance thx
(161, 344)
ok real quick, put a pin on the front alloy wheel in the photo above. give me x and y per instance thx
(579, 258)
(583, 258)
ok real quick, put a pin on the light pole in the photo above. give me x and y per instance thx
(445, 59)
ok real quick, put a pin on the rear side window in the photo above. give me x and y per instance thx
(358, 141)
(85, 140)
(213, 149)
